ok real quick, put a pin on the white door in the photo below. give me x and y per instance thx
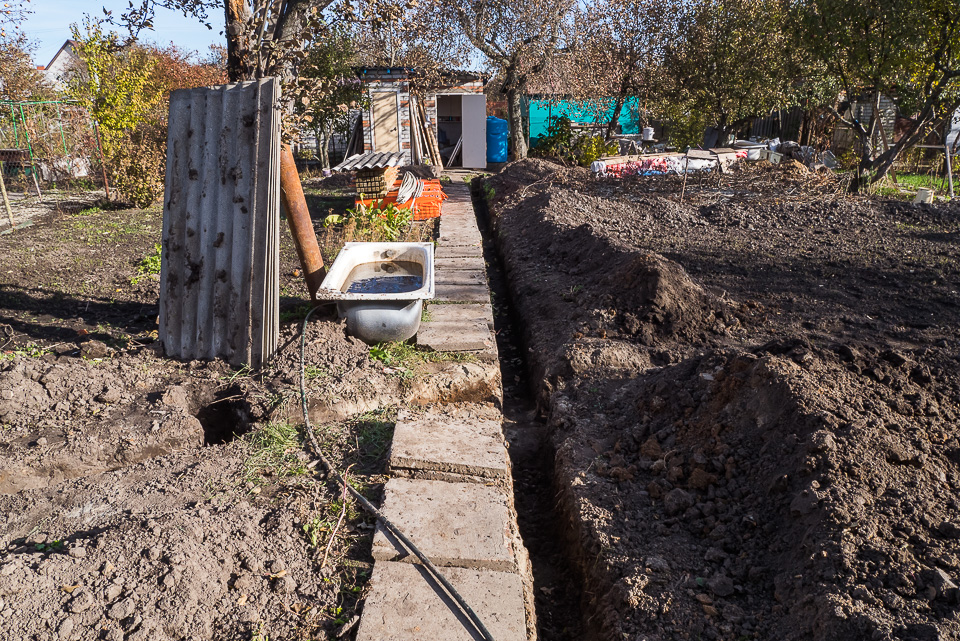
(473, 112)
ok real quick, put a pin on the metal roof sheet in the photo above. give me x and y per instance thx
(371, 160)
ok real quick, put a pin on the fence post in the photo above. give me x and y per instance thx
(946, 149)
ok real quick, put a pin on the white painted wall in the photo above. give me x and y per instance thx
(954, 132)
(62, 62)
(474, 120)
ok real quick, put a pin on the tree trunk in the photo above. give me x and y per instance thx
(324, 146)
(914, 135)
(615, 118)
(236, 15)
(518, 143)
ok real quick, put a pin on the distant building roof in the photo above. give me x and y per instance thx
(453, 76)
(62, 61)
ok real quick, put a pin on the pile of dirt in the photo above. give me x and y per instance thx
(601, 301)
(132, 510)
(752, 402)
(172, 548)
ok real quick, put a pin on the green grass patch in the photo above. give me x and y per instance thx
(296, 314)
(149, 265)
(908, 184)
(403, 354)
(272, 450)
(31, 350)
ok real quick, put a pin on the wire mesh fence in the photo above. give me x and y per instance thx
(48, 142)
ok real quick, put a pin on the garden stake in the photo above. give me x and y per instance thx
(686, 165)
(6, 201)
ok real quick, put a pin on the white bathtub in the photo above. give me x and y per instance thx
(377, 316)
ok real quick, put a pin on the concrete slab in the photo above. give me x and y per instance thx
(460, 239)
(442, 252)
(456, 382)
(459, 219)
(467, 229)
(454, 524)
(457, 328)
(456, 264)
(449, 443)
(461, 293)
(460, 277)
(466, 313)
(406, 603)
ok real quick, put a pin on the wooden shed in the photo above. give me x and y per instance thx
(455, 113)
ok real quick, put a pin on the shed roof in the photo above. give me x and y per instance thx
(453, 76)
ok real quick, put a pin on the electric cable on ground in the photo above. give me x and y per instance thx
(367, 505)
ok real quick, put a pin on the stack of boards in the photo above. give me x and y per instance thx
(376, 182)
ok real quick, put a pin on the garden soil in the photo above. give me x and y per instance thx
(147, 498)
(752, 397)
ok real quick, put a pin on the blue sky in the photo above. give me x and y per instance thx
(49, 26)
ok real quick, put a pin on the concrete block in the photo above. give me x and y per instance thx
(454, 524)
(453, 382)
(460, 277)
(457, 328)
(461, 293)
(449, 443)
(459, 221)
(406, 603)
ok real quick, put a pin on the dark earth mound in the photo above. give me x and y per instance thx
(753, 398)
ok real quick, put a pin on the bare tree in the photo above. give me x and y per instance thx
(906, 51)
(518, 38)
(619, 48)
(264, 37)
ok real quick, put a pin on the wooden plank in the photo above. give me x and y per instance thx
(386, 121)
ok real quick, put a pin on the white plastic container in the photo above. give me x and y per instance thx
(647, 134)
(754, 150)
(372, 315)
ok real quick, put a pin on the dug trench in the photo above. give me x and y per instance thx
(750, 399)
(557, 595)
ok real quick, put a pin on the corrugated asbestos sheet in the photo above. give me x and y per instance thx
(372, 160)
(219, 284)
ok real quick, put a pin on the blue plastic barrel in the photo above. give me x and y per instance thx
(498, 135)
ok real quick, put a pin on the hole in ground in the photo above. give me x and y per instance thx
(226, 417)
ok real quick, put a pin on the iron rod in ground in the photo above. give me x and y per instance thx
(298, 217)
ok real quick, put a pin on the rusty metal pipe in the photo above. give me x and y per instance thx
(298, 217)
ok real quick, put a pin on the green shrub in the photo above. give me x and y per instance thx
(558, 143)
(137, 165)
(376, 221)
(561, 142)
(590, 148)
